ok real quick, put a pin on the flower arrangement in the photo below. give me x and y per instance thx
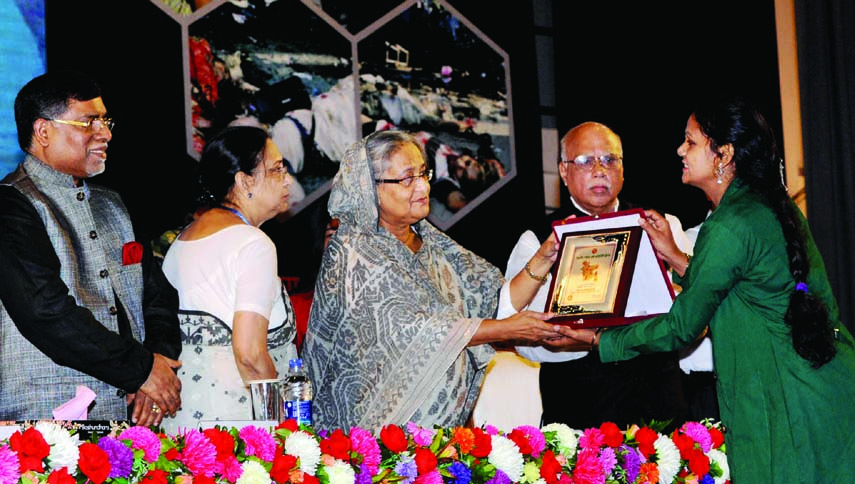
(555, 454)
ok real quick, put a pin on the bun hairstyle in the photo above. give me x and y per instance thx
(734, 121)
(234, 149)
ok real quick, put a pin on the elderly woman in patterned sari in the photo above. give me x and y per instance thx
(401, 321)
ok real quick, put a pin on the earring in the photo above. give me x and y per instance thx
(719, 171)
(249, 195)
(781, 169)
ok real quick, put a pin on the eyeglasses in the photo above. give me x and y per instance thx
(608, 161)
(94, 124)
(407, 180)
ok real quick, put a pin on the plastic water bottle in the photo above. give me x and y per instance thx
(297, 394)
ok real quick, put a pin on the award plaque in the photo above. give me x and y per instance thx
(607, 273)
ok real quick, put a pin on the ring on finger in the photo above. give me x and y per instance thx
(155, 408)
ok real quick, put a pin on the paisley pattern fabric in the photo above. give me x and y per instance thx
(388, 331)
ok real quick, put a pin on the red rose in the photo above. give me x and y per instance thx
(222, 440)
(717, 437)
(612, 434)
(60, 476)
(155, 476)
(337, 445)
(31, 448)
(521, 440)
(550, 468)
(645, 438)
(203, 480)
(93, 462)
(310, 479)
(172, 454)
(425, 460)
(393, 438)
(483, 443)
(132, 253)
(282, 465)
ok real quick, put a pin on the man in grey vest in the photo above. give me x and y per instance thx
(81, 301)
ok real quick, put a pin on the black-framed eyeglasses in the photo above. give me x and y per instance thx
(586, 162)
(407, 180)
(94, 124)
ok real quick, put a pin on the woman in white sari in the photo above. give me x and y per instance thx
(401, 320)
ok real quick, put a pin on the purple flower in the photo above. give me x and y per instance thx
(9, 465)
(707, 480)
(461, 473)
(631, 462)
(120, 456)
(608, 460)
(491, 429)
(364, 475)
(499, 478)
(407, 469)
(143, 438)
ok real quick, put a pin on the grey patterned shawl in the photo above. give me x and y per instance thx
(388, 332)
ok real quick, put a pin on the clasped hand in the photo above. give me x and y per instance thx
(159, 395)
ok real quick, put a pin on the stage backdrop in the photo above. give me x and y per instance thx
(459, 54)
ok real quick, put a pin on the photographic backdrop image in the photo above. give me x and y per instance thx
(22, 57)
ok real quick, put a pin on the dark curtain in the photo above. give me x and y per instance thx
(825, 36)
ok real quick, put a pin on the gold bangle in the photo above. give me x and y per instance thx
(540, 279)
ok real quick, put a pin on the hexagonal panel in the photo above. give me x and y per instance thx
(428, 70)
(280, 65)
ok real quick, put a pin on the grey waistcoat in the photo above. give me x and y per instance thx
(87, 226)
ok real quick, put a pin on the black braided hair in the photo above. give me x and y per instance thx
(734, 121)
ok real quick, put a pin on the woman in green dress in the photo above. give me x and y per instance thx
(785, 363)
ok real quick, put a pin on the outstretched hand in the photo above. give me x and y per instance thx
(572, 339)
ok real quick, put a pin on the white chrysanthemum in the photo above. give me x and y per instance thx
(567, 439)
(506, 456)
(64, 450)
(720, 458)
(667, 458)
(340, 473)
(306, 448)
(253, 473)
(531, 472)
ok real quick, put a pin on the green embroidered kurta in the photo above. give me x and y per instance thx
(785, 421)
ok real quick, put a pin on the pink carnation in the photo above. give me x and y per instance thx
(589, 469)
(362, 442)
(699, 433)
(432, 477)
(535, 438)
(9, 465)
(199, 454)
(143, 438)
(231, 468)
(421, 436)
(593, 438)
(259, 442)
